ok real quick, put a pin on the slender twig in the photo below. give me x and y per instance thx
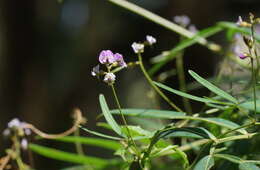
(150, 81)
(182, 82)
(78, 144)
(78, 121)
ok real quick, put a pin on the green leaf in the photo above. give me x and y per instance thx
(183, 156)
(67, 157)
(109, 118)
(186, 95)
(176, 115)
(248, 166)
(186, 132)
(250, 105)
(233, 26)
(212, 87)
(148, 113)
(100, 134)
(205, 163)
(103, 143)
(230, 158)
(170, 132)
(184, 44)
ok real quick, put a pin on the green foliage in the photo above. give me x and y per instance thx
(205, 163)
(197, 140)
(68, 157)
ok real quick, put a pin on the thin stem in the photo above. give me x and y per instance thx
(78, 144)
(254, 79)
(254, 84)
(123, 118)
(150, 81)
(181, 77)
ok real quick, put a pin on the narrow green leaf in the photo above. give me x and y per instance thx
(109, 118)
(171, 115)
(148, 113)
(100, 134)
(230, 158)
(170, 132)
(212, 87)
(248, 166)
(186, 132)
(186, 95)
(250, 105)
(233, 26)
(184, 44)
(103, 143)
(67, 157)
(205, 163)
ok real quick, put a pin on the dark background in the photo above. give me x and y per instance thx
(47, 50)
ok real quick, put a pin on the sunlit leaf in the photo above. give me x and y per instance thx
(205, 163)
(186, 95)
(250, 105)
(248, 166)
(109, 118)
(175, 115)
(100, 134)
(212, 87)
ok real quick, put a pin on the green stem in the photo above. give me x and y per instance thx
(181, 77)
(254, 79)
(78, 144)
(254, 84)
(124, 120)
(150, 81)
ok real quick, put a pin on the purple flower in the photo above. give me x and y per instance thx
(193, 29)
(120, 60)
(238, 52)
(110, 78)
(138, 47)
(182, 20)
(95, 71)
(106, 57)
(150, 39)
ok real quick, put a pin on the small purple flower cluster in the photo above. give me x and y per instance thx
(238, 49)
(113, 61)
(110, 60)
(184, 21)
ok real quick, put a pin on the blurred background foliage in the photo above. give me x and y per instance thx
(48, 48)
